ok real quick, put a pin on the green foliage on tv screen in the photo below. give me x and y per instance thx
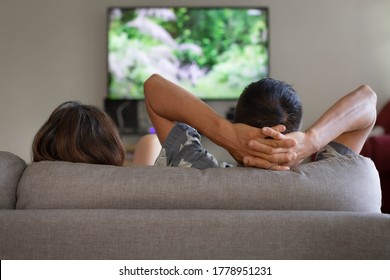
(213, 53)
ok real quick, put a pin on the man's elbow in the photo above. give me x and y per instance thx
(369, 94)
(150, 83)
(370, 100)
(153, 78)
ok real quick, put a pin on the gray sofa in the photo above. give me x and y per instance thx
(320, 210)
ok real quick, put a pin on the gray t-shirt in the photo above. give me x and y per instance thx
(183, 148)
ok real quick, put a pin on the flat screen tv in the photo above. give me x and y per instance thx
(212, 52)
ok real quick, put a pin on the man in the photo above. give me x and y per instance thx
(176, 115)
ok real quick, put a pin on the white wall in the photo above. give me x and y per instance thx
(54, 50)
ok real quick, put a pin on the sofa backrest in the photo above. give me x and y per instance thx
(336, 184)
(11, 169)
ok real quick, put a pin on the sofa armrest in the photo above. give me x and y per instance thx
(11, 169)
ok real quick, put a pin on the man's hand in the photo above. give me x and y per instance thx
(253, 149)
(302, 149)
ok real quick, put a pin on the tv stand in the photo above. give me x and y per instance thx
(124, 113)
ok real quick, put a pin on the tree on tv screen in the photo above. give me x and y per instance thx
(213, 53)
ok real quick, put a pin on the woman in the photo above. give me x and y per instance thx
(79, 133)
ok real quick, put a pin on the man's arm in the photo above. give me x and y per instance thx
(348, 122)
(167, 103)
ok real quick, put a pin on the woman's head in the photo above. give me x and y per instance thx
(79, 133)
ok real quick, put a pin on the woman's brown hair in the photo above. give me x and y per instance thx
(79, 133)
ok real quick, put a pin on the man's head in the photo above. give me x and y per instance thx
(269, 102)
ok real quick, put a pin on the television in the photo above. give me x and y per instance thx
(212, 52)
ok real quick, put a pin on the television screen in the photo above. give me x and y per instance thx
(212, 52)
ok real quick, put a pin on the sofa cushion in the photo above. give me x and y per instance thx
(11, 169)
(340, 184)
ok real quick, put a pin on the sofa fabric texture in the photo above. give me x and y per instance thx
(193, 234)
(335, 184)
(11, 169)
(320, 210)
(378, 149)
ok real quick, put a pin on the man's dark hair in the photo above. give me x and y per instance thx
(269, 102)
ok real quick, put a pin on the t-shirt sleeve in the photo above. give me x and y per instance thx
(333, 149)
(183, 148)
